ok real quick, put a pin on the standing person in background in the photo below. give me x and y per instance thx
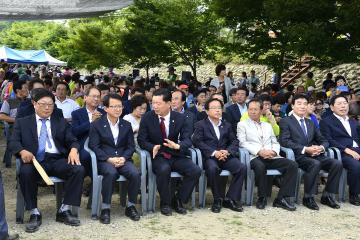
(243, 81)
(221, 82)
(309, 81)
(171, 78)
(253, 80)
(328, 80)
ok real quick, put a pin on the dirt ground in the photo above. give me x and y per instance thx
(271, 223)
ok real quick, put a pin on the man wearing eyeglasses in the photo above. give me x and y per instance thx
(112, 140)
(81, 120)
(219, 147)
(50, 141)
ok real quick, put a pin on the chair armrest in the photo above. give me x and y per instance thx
(93, 159)
(198, 156)
(336, 152)
(289, 153)
(144, 155)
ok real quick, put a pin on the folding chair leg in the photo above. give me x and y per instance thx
(96, 184)
(144, 195)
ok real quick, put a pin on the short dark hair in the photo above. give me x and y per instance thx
(232, 91)
(41, 93)
(197, 93)
(219, 68)
(103, 87)
(183, 95)
(137, 101)
(32, 82)
(107, 98)
(256, 100)
(165, 93)
(136, 89)
(310, 75)
(87, 92)
(63, 83)
(243, 88)
(333, 99)
(18, 85)
(213, 100)
(290, 88)
(264, 97)
(299, 96)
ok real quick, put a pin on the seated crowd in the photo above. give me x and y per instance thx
(119, 115)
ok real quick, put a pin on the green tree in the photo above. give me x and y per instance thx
(277, 32)
(186, 29)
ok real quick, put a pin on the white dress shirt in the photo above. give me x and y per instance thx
(242, 109)
(114, 130)
(345, 122)
(89, 115)
(167, 123)
(53, 148)
(67, 106)
(216, 128)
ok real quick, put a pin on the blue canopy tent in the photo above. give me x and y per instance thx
(28, 57)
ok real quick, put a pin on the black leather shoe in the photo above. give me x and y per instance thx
(283, 203)
(12, 237)
(33, 224)
(67, 218)
(166, 210)
(233, 205)
(310, 203)
(261, 203)
(329, 201)
(132, 213)
(354, 200)
(105, 216)
(178, 206)
(216, 206)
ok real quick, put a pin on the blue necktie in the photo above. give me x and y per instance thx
(302, 121)
(40, 155)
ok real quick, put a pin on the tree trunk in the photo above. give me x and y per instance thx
(147, 72)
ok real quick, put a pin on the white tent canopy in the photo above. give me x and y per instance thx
(57, 9)
(28, 56)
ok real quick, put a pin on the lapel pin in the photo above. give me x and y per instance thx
(121, 125)
(104, 125)
(173, 121)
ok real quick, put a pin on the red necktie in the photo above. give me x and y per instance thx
(163, 133)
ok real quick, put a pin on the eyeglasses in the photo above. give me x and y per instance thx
(116, 107)
(44, 105)
(215, 108)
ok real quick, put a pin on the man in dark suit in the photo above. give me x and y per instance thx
(165, 134)
(112, 140)
(341, 133)
(236, 110)
(81, 120)
(4, 234)
(309, 146)
(178, 98)
(51, 142)
(219, 147)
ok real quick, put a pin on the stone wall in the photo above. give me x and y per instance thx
(350, 71)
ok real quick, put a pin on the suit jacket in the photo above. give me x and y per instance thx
(190, 120)
(26, 108)
(81, 125)
(179, 132)
(205, 138)
(234, 115)
(250, 139)
(292, 135)
(101, 140)
(336, 134)
(25, 135)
